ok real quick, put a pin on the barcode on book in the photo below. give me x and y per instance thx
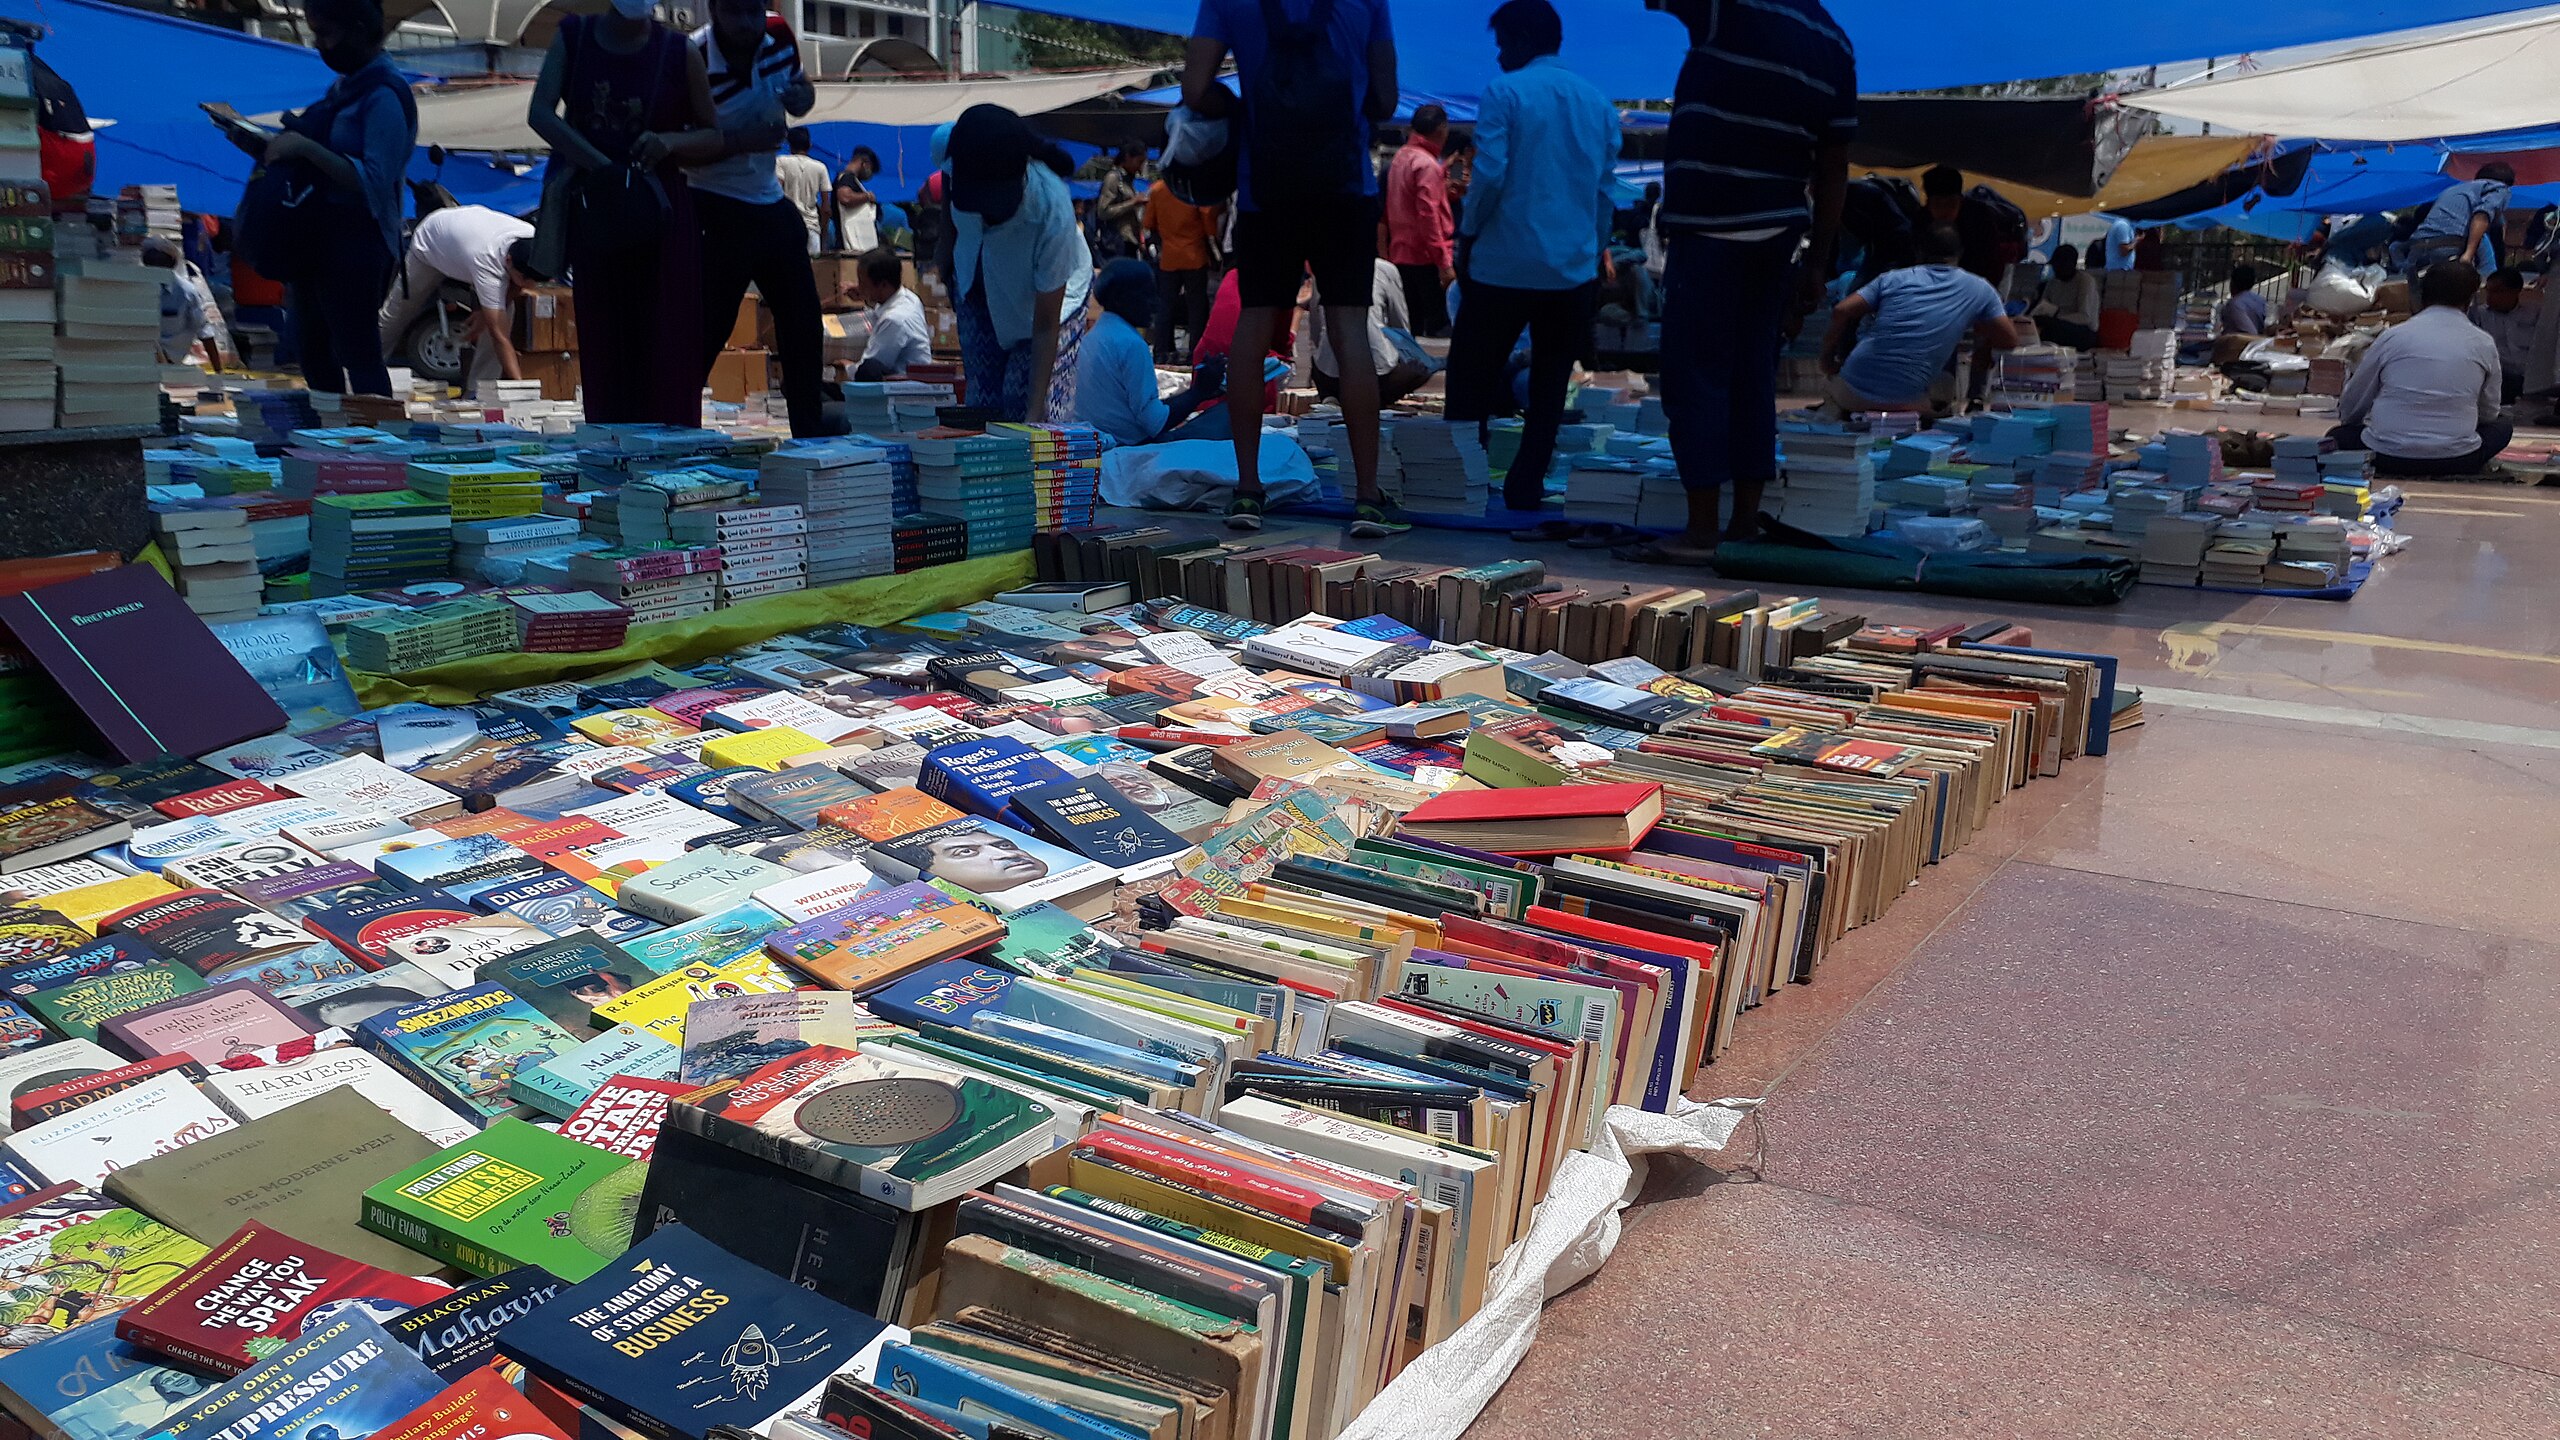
(1441, 1190)
(1441, 1125)
(1595, 1024)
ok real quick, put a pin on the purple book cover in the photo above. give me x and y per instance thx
(217, 1023)
(139, 665)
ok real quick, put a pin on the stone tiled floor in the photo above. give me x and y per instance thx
(2211, 1093)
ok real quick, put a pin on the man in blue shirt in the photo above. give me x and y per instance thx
(1306, 198)
(1757, 157)
(1914, 318)
(1116, 374)
(2119, 245)
(2457, 226)
(1533, 239)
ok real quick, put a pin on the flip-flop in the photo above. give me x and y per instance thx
(1547, 532)
(1663, 552)
(1605, 537)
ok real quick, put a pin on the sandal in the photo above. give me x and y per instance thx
(1548, 532)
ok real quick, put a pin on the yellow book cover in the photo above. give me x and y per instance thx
(659, 1007)
(764, 749)
(86, 905)
(639, 726)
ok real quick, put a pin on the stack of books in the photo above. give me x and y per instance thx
(373, 542)
(2194, 458)
(407, 640)
(147, 212)
(2035, 374)
(2279, 495)
(1443, 466)
(306, 472)
(108, 348)
(1830, 478)
(553, 621)
(490, 549)
(2346, 483)
(764, 549)
(482, 490)
(27, 265)
(2137, 499)
(984, 479)
(2173, 548)
(2316, 540)
(1066, 472)
(898, 451)
(272, 414)
(921, 540)
(2068, 472)
(844, 489)
(2237, 558)
(671, 584)
(213, 559)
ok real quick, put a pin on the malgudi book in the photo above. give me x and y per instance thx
(559, 1085)
(678, 1336)
(513, 1195)
(248, 1298)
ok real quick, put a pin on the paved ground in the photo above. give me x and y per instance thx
(2215, 1091)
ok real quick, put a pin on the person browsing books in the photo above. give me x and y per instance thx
(1913, 319)
(489, 251)
(2457, 225)
(1020, 266)
(1116, 386)
(2425, 397)
(900, 340)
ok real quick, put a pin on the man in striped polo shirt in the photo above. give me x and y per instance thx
(1758, 158)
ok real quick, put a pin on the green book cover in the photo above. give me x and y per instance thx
(1508, 893)
(515, 1194)
(76, 1009)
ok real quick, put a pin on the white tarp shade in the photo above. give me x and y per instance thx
(491, 117)
(2495, 78)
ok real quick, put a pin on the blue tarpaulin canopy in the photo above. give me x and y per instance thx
(1633, 54)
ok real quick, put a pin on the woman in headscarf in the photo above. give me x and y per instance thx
(1020, 269)
(1116, 378)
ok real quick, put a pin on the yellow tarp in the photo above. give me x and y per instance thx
(2158, 165)
(880, 600)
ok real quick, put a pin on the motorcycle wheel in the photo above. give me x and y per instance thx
(433, 351)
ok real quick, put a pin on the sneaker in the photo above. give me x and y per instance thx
(1244, 512)
(1377, 520)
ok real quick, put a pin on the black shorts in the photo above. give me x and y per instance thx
(1275, 249)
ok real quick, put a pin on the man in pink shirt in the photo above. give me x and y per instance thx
(1417, 222)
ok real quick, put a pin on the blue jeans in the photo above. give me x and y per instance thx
(1723, 302)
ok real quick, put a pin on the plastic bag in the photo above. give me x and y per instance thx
(1940, 534)
(2343, 290)
(1188, 474)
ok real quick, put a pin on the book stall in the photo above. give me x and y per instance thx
(1168, 998)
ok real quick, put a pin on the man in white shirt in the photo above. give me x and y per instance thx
(2424, 398)
(2066, 308)
(900, 340)
(475, 246)
(1398, 376)
(804, 182)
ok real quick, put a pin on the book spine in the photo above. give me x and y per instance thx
(430, 1240)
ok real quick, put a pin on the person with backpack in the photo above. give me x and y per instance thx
(1993, 233)
(337, 255)
(1316, 75)
(625, 102)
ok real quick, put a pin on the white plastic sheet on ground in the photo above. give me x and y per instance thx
(1187, 474)
(1448, 1385)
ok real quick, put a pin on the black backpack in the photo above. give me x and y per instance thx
(1303, 127)
(2015, 232)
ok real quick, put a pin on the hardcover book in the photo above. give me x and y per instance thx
(559, 1085)
(268, 1090)
(145, 672)
(51, 1246)
(346, 1377)
(458, 1333)
(678, 1336)
(256, 1293)
(464, 1047)
(513, 1195)
(212, 1025)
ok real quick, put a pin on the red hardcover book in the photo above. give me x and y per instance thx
(1539, 820)
(70, 1095)
(1259, 1192)
(624, 1114)
(252, 1295)
(479, 1406)
(213, 800)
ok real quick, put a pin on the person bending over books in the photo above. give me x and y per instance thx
(1913, 319)
(1020, 269)
(1116, 375)
(2425, 397)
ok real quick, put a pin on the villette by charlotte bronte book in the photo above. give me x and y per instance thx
(139, 665)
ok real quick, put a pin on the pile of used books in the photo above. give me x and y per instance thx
(1168, 1020)
(375, 541)
(1830, 477)
(843, 489)
(404, 640)
(982, 478)
(1443, 466)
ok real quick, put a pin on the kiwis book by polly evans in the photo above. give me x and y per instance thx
(513, 1195)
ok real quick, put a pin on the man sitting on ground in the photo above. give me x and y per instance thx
(2425, 397)
(1116, 371)
(2066, 308)
(1914, 319)
(2500, 311)
(899, 340)
(2245, 311)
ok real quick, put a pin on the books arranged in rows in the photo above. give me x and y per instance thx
(1167, 1019)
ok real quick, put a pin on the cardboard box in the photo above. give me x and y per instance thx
(836, 272)
(2393, 296)
(736, 375)
(556, 369)
(742, 331)
(551, 322)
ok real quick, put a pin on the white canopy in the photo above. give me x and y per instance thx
(492, 117)
(2497, 77)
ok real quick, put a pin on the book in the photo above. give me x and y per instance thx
(138, 664)
(1096, 821)
(1551, 820)
(513, 1195)
(735, 1035)
(559, 1085)
(677, 1337)
(218, 1023)
(46, 832)
(980, 775)
(126, 1128)
(302, 1168)
(29, 934)
(457, 1334)
(52, 1244)
(254, 1293)
(70, 1095)
(831, 1242)
(478, 1405)
(866, 1122)
(24, 1072)
(77, 1009)
(465, 1047)
(623, 1115)
(660, 1006)
(269, 1089)
(346, 1004)
(562, 905)
(881, 936)
(346, 1376)
(1004, 865)
(712, 940)
(568, 978)
(85, 1384)
(705, 882)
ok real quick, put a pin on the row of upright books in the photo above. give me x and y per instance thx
(1167, 1019)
